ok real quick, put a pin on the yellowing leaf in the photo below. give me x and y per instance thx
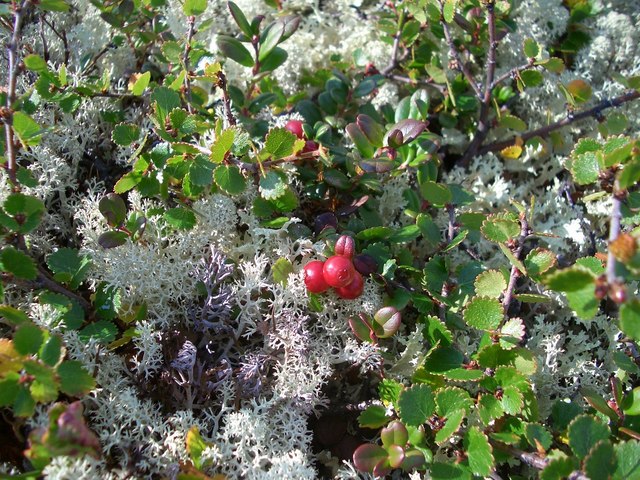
(511, 153)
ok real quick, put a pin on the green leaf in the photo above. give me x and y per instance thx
(165, 100)
(194, 7)
(180, 218)
(273, 185)
(630, 319)
(127, 182)
(107, 301)
(538, 435)
(28, 339)
(479, 452)
(584, 432)
(443, 359)
(435, 193)
(490, 283)
(374, 233)
(201, 171)
(453, 422)
(51, 351)
(240, 19)
(13, 316)
(113, 208)
(229, 179)
(74, 379)
(374, 416)
(531, 78)
(9, 388)
(600, 461)
(68, 266)
(539, 261)
(405, 234)
(53, 5)
(511, 333)
(559, 469)
(112, 239)
(44, 387)
(70, 312)
(484, 313)
(579, 90)
(416, 404)
(22, 213)
(103, 330)
(512, 400)
(24, 404)
(449, 471)
(141, 83)
(630, 175)
(553, 64)
(35, 63)
(570, 279)
(222, 145)
(489, 408)
(624, 362)
(28, 131)
(195, 446)
(513, 122)
(17, 263)
(628, 456)
(531, 48)
(500, 228)
(269, 39)
(585, 168)
(279, 143)
(449, 10)
(235, 50)
(281, 270)
(452, 398)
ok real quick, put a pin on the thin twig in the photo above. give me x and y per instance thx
(393, 61)
(7, 116)
(530, 459)
(62, 35)
(226, 101)
(515, 273)
(545, 131)
(50, 284)
(514, 72)
(451, 230)
(421, 83)
(482, 130)
(459, 64)
(191, 22)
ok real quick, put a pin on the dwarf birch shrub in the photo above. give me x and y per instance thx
(463, 172)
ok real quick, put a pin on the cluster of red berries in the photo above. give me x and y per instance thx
(295, 127)
(337, 272)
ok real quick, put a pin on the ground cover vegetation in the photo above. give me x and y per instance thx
(309, 239)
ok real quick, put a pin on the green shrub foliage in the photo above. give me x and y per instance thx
(169, 168)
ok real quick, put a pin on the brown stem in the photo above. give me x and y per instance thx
(460, 65)
(7, 117)
(226, 101)
(422, 83)
(191, 21)
(61, 35)
(393, 61)
(514, 72)
(530, 459)
(515, 273)
(482, 129)
(47, 282)
(545, 131)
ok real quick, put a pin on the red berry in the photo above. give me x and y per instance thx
(338, 271)
(345, 246)
(314, 278)
(353, 290)
(295, 127)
